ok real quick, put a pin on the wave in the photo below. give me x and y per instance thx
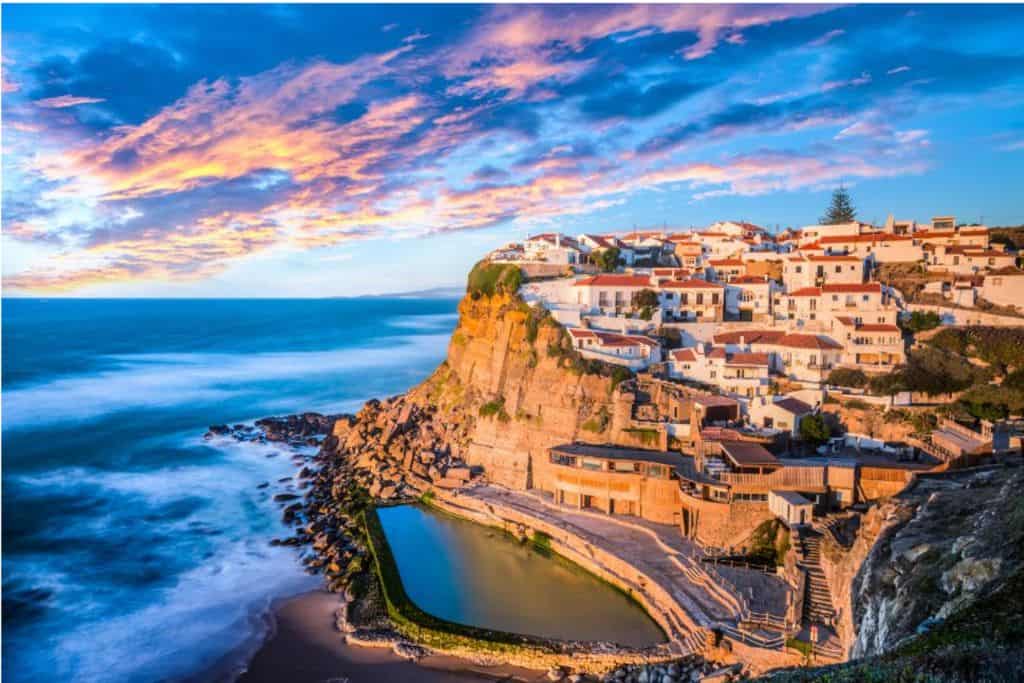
(100, 626)
(163, 380)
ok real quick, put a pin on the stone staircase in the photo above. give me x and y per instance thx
(817, 600)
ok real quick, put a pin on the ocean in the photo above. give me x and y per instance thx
(133, 549)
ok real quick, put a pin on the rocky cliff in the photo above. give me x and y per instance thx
(930, 589)
(515, 386)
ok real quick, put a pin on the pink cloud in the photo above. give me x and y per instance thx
(65, 101)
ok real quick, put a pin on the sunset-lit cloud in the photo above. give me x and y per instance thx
(131, 160)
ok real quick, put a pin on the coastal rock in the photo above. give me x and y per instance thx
(409, 651)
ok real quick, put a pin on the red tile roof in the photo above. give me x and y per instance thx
(690, 284)
(749, 337)
(830, 259)
(807, 291)
(749, 359)
(614, 280)
(726, 262)
(876, 237)
(612, 338)
(683, 355)
(869, 288)
(750, 280)
(806, 341)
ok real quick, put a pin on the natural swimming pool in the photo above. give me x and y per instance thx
(470, 574)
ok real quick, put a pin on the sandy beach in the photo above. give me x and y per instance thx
(305, 647)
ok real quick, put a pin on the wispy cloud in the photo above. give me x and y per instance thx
(64, 101)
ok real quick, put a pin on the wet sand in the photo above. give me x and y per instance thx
(305, 647)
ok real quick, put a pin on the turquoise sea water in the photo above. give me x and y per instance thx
(133, 550)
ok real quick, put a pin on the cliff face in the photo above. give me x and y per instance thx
(934, 584)
(943, 544)
(509, 381)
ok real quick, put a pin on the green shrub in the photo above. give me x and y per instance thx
(493, 407)
(814, 429)
(488, 279)
(919, 321)
(857, 404)
(541, 542)
(847, 377)
(646, 298)
(607, 259)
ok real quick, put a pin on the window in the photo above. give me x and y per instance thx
(714, 297)
(593, 465)
(700, 298)
(657, 471)
(839, 269)
(685, 298)
(566, 460)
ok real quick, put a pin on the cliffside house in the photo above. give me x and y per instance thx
(739, 373)
(611, 293)
(877, 247)
(805, 358)
(1004, 287)
(692, 300)
(869, 346)
(819, 307)
(967, 260)
(778, 413)
(613, 480)
(635, 352)
(688, 251)
(802, 271)
(726, 270)
(749, 298)
(555, 248)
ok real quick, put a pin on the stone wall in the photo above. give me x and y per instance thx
(722, 525)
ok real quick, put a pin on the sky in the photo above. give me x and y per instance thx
(341, 150)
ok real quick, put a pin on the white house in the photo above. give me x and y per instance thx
(692, 300)
(739, 373)
(633, 351)
(802, 270)
(610, 293)
(1004, 287)
(804, 358)
(869, 346)
(878, 247)
(781, 413)
(749, 298)
(553, 248)
(967, 260)
(790, 507)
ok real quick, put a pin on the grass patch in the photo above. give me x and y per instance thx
(488, 279)
(492, 407)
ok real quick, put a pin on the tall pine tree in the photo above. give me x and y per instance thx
(841, 210)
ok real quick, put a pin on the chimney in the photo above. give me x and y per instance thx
(558, 239)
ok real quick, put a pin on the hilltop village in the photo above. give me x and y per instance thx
(750, 434)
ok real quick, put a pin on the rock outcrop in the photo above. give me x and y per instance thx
(922, 555)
